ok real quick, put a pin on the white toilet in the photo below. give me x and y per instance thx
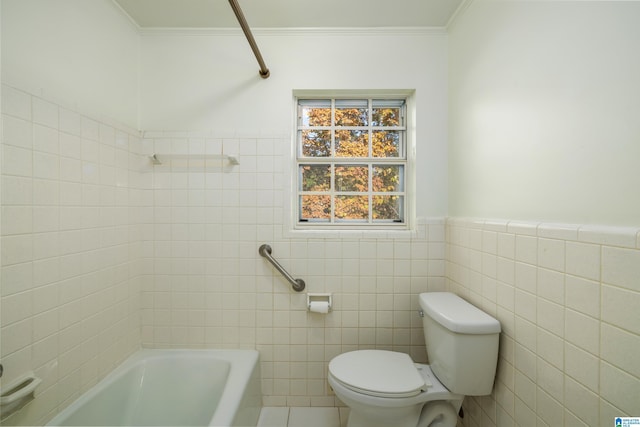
(386, 389)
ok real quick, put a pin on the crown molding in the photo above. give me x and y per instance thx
(277, 32)
(288, 31)
(124, 13)
(459, 12)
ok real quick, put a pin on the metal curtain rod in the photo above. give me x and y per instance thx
(264, 71)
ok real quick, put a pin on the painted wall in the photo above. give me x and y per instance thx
(544, 107)
(544, 100)
(204, 81)
(81, 54)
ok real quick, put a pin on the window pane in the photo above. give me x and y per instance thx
(352, 178)
(352, 161)
(387, 178)
(315, 207)
(385, 117)
(316, 143)
(387, 207)
(352, 143)
(352, 207)
(387, 113)
(386, 143)
(315, 112)
(315, 177)
(352, 112)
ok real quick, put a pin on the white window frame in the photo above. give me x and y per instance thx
(407, 160)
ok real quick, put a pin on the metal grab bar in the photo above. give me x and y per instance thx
(297, 284)
(264, 71)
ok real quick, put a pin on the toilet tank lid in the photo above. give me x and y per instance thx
(456, 314)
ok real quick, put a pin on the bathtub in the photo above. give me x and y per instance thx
(173, 388)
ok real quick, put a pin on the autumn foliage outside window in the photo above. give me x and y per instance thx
(351, 161)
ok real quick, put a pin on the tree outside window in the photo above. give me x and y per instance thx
(351, 161)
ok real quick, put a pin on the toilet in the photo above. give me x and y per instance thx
(387, 389)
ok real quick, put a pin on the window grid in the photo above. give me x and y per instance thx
(333, 161)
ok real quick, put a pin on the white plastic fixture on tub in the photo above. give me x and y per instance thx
(18, 393)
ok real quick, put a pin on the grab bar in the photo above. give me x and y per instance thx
(297, 284)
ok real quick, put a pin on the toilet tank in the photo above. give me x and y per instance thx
(462, 343)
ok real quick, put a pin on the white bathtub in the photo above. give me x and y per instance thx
(173, 388)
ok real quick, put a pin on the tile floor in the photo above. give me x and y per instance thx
(303, 417)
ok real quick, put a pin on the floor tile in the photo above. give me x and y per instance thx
(273, 417)
(314, 417)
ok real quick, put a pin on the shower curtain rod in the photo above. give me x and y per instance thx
(264, 71)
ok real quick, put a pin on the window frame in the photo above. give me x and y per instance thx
(405, 161)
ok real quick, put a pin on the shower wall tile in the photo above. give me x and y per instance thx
(17, 132)
(70, 269)
(571, 294)
(211, 288)
(16, 103)
(621, 267)
(583, 260)
(609, 236)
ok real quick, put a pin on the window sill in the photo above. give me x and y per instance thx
(419, 231)
(351, 234)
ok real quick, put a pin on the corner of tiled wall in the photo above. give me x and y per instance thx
(72, 208)
(567, 297)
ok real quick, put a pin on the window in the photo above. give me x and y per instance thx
(351, 163)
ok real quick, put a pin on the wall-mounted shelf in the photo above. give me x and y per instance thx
(194, 160)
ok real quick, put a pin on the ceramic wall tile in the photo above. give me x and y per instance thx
(621, 267)
(581, 281)
(67, 266)
(16, 103)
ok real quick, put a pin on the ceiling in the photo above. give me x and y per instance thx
(291, 13)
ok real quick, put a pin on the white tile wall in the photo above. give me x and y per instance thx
(210, 287)
(570, 322)
(102, 252)
(71, 267)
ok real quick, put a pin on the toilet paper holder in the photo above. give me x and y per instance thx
(319, 297)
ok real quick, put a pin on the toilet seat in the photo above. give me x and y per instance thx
(378, 373)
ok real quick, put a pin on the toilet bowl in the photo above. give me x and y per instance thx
(387, 389)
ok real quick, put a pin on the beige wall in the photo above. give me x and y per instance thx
(544, 100)
(102, 252)
(82, 205)
(209, 287)
(207, 81)
(82, 54)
